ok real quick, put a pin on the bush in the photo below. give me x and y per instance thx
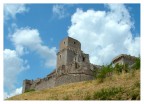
(137, 63)
(104, 72)
(126, 68)
(118, 68)
(30, 90)
(106, 94)
(66, 98)
(87, 97)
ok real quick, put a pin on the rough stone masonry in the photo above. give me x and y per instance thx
(72, 66)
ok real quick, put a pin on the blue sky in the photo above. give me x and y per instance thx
(32, 33)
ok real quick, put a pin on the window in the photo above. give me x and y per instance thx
(74, 42)
(64, 42)
(60, 56)
(83, 59)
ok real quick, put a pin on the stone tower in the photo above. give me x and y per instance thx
(72, 66)
(69, 48)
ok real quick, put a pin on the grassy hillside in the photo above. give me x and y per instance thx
(125, 86)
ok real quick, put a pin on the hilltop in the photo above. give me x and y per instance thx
(124, 86)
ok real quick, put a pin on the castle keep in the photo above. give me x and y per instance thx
(72, 66)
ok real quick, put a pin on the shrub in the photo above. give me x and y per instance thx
(30, 90)
(118, 68)
(87, 97)
(126, 68)
(106, 94)
(66, 98)
(104, 72)
(137, 63)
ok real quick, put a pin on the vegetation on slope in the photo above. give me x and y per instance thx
(125, 86)
(111, 83)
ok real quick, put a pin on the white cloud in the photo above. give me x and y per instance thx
(13, 65)
(26, 39)
(104, 35)
(11, 10)
(17, 91)
(59, 11)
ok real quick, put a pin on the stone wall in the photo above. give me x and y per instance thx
(128, 61)
(71, 78)
(124, 59)
(46, 83)
(72, 66)
(73, 72)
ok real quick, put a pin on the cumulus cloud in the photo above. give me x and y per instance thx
(59, 11)
(105, 34)
(26, 39)
(17, 91)
(13, 65)
(11, 10)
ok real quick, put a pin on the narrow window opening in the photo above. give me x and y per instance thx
(74, 42)
(76, 66)
(60, 56)
(83, 59)
(64, 42)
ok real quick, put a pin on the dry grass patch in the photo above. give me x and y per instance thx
(118, 87)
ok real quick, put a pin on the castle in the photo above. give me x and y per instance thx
(73, 65)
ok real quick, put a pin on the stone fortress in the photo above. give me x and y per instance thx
(73, 65)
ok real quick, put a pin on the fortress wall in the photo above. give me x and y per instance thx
(45, 84)
(70, 78)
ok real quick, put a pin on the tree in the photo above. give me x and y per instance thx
(137, 63)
